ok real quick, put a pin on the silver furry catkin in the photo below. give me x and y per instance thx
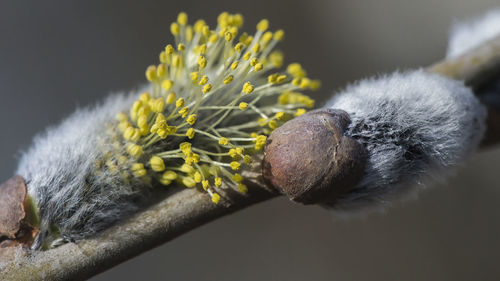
(414, 125)
(57, 169)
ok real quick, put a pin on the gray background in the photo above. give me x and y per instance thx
(55, 57)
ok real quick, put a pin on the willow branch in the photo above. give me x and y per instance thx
(183, 210)
(477, 68)
(474, 67)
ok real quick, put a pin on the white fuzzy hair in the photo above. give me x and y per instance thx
(414, 125)
(57, 170)
(469, 34)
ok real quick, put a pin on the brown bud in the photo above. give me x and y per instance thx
(310, 160)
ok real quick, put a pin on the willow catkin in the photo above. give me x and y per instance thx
(414, 125)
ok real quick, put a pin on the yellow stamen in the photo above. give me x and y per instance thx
(138, 170)
(205, 184)
(215, 198)
(151, 73)
(194, 76)
(248, 88)
(263, 25)
(203, 80)
(182, 18)
(218, 181)
(247, 159)
(279, 35)
(238, 47)
(223, 141)
(299, 112)
(169, 49)
(189, 182)
(202, 62)
(187, 169)
(237, 178)
(171, 98)
(190, 133)
(167, 84)
(157, 164)
(179, 102)
(161, 71)
(273, 124)
(242, 188)
(256, 48)
(228, 79)
(258, 67)
(206, 88)
(170, 175)
(197, 177)
(134, 150)
(175, 29)
(158, 105)
(235, 165)
(191, 119)
(243, 105)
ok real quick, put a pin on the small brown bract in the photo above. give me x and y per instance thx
(12, 195)
(16, 216)
(311, 161)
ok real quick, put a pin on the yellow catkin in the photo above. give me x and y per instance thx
(208, 74)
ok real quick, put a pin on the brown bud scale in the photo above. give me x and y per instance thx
(16, 214)
(310, 160)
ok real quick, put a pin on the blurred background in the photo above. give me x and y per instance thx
(60, 55)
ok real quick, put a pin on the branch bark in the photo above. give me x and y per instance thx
(185, 209)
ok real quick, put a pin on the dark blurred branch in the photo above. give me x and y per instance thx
(479, 68)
